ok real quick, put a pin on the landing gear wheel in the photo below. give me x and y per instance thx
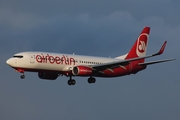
(91, 80)
(71, 82)
(22, 76)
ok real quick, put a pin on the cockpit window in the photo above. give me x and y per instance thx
(17, 56)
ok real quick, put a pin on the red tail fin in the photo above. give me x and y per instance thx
(140, 46)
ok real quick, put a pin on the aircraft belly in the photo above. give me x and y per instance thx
(45, 66)
(120, 71)
(114, 72)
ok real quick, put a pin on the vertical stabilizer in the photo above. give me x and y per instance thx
(140, 46)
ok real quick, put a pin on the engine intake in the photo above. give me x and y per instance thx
(82, 71)
(48, 76)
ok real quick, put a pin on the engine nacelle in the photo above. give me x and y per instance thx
(48, 76)
(82, 71)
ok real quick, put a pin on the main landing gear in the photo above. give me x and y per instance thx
(91, 80)
(73, 82)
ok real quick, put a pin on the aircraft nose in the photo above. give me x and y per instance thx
(9, 62)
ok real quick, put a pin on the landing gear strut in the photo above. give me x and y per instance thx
(71, 81)
(21, 71)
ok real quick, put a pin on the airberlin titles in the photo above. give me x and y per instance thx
(64, 59)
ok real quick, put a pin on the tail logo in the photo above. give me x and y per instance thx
(142, 44)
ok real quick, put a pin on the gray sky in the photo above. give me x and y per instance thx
(100, 28)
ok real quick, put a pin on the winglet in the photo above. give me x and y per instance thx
(161, 50)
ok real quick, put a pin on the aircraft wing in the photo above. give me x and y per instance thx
(122, 63)
(158, 61)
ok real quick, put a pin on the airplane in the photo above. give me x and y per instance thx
(49, 66)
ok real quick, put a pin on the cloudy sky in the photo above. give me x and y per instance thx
(90, 27)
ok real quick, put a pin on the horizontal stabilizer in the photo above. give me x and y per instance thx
(127, 61)
(158, 61)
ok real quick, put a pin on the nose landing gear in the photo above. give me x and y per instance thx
(21, 71)
(22, 76)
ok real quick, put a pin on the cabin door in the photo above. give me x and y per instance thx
(32, 58)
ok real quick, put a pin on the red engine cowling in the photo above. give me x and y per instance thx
(82, 71)
(48, 76)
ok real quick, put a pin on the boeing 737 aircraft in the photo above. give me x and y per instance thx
(51, 65)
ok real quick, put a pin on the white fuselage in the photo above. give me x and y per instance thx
(33, 61)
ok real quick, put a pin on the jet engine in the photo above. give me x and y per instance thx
(82, 71)
(48, 76)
